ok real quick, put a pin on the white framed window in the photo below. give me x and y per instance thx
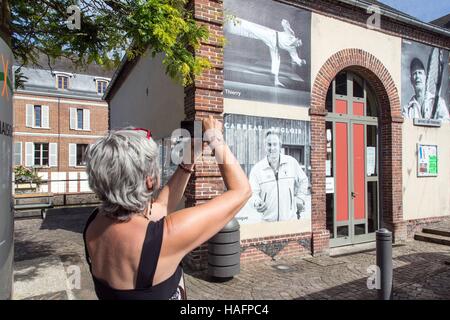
(17, 153)
(80, 119)
(37, 116)
(101, 86)
(62, 82)
(77, 154)
(41, 154)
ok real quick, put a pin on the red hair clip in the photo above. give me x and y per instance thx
(149, 133)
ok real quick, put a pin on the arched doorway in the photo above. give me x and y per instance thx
(352, 170)
(390, 121)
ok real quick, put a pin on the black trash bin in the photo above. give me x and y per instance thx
(224, 251)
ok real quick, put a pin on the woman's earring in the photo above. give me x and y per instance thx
(151, 203)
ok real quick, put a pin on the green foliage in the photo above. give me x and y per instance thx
(19, 79)
(25, 175)
(109, 29)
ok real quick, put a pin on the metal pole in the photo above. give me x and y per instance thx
(384, 263)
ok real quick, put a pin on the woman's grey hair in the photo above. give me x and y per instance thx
(118, 166)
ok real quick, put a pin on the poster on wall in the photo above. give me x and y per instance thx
(425, 83)
(427, 160)
(275, 154)
(267, 52)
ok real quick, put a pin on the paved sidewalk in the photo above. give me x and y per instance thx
(422, 271)
(49, 254)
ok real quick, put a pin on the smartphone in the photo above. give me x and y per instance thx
(194, 127)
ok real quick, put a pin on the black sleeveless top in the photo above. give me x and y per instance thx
(169, 289)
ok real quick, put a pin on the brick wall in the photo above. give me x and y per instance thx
(259, 249)
(205, 97)
(59, 124)
(416, 225)
(59, 116)
(272, 248)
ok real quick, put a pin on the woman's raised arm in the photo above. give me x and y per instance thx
(186, 229)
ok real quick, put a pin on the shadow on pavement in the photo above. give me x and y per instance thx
(28, 249)
(416, 276)
(71, 219)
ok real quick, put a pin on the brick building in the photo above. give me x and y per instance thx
(57, 113)
(357, 93)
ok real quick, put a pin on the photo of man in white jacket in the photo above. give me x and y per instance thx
(279, 185)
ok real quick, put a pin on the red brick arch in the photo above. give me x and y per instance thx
(390, 122)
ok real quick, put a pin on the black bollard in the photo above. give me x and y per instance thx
(384, 263)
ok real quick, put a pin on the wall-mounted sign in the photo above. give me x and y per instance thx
(427, 122)
(427, 160)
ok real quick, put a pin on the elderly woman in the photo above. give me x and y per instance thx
(135, 244)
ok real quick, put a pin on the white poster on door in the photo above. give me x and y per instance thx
(329, 185)
(371, 160)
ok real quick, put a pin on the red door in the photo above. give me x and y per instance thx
(351, 168)
(350, 177)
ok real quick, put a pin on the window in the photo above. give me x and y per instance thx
(341, 84)
(329, 99)
(358, 87)
(63, 82)
(77, 154)
(41, 154)
(101, 86)
(81, 150)
(37, 116)
(17, 153)
(80, 119)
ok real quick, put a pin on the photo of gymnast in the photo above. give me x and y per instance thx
(267, 52)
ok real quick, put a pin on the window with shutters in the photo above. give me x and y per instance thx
(81, 151)
(80, 119)
(37, 116)
(41, 155)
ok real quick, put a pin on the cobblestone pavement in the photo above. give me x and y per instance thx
(47, 253)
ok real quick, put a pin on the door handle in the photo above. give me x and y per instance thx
(354, 194)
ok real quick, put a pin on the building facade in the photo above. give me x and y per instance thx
(57, 114)
(354, 96)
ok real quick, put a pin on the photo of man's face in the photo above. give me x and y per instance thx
(273, 147)
(418, 75)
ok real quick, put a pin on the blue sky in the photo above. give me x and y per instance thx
(425, 10)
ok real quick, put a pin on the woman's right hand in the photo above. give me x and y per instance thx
(211, 123)
(212, 133)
